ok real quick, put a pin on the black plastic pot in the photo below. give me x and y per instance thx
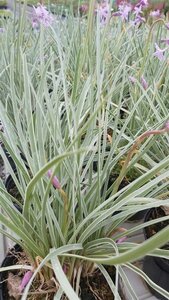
(10, 160)
(138, 216)
(12, 189)
(3, 6)
(9, 183)
(9, 260)
(156, 268)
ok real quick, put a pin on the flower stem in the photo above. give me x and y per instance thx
(147, 45)
(133, 150)
(65, 214)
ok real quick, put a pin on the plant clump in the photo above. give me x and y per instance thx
(84, 112)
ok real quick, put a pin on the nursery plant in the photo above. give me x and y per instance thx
(71, 99)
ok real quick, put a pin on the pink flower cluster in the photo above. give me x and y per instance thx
(124, 8)
(159, 53)
(123, 11)
(84, 8)
(103, 11)
(138, 11)
(41, 16)
(144, 83)
(155, 13)
(152, 4)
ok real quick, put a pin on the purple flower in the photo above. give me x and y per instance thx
(159, 53)
(124, 10)
(116, 14)
(41, 15)
(65, 269)
(144, 83)
(84, 8)
(143, 3)
(121, 240)
(167, 125)
(35, 23)
(25, 280)
(103, 11)
(2, 29)
(167, 25)
(55, 180)
(165, 41)
(138, 20)
(138, 13)
(155, 13)
(132, 79)
(138, 10)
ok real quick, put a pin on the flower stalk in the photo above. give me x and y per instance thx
(134, 149)
(57, 185)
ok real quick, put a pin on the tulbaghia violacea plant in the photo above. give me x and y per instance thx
(82, 125)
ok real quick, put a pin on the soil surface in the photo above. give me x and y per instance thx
(95, 287)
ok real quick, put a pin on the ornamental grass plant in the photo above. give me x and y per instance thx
(75, 93)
